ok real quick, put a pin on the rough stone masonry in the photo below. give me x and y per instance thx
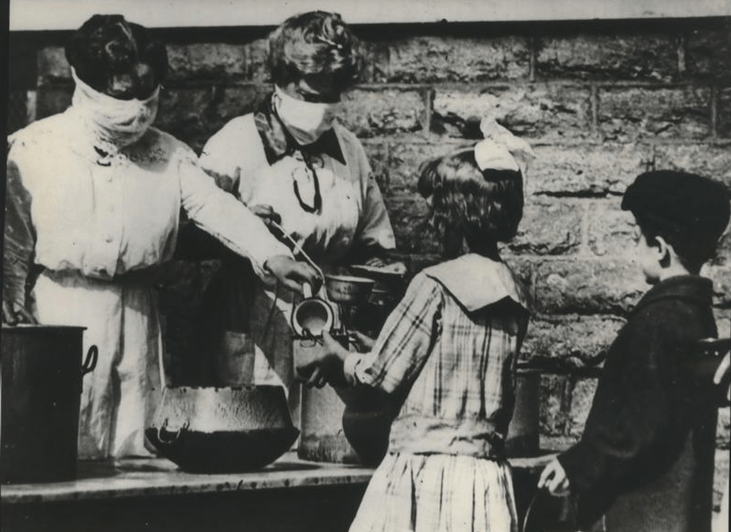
(599, 101)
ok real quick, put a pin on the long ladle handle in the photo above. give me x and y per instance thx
(299, 249)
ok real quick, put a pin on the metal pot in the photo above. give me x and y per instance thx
(385, 295)
(348, 289)
(523, 437)
(367, 419)
(216, 430)
(386, 280)
(341, 425)
(41, 393)
(323, 439)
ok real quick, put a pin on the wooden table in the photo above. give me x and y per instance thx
(153, 495)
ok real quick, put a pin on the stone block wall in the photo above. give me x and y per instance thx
(599, 101)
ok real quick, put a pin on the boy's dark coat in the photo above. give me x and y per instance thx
(646, 458)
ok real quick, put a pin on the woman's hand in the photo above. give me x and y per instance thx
(722, 371)
(554, 479)
(266, 213)
(293, 274)
(14, 313)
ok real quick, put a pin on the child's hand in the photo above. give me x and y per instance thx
(554, 479)
(327, 367)
(316, 378)
(363, 343)
(333, 350)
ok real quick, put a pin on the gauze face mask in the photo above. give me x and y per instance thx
(306, 121)
(117, 122)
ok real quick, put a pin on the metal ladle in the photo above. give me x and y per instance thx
(318, 303)
(298, 248)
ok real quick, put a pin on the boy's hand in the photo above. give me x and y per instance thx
(722, 371)
(554, 479)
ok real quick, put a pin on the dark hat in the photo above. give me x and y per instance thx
(689, 205)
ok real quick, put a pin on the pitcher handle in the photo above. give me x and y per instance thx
(306, 290)
(91, 359)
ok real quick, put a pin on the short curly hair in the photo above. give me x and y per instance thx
(315, 44)
(487, 205)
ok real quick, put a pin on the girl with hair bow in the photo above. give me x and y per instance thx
(446, 357)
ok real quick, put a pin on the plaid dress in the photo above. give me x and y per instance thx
(448, 352)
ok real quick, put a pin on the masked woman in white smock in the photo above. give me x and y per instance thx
(93, 200)
(291, 161)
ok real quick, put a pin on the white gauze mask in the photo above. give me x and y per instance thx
(117, 122)
(306, 121)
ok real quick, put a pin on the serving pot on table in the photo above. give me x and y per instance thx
(343, 425)
(217, 430)
(42, 374)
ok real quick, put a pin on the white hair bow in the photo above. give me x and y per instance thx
(500, 149)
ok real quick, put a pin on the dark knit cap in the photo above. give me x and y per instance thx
(692, 208)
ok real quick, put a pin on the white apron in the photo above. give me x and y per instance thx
(121, 320)
(98, 225)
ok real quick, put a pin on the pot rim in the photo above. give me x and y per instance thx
(241, 387)
(329, 320)
(353, 279)
(28, 327)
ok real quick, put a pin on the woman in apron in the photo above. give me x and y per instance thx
(290, 160)
(93, 200)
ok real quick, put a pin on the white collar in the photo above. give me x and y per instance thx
(476, 281)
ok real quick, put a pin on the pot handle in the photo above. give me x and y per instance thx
(91, 359)
(176, 433)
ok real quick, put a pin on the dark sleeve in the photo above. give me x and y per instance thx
(631, 408)
(19, 236)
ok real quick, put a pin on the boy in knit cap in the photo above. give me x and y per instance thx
(646, 459)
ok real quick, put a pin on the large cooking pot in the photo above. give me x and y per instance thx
(219, 430)
(42, 374)
(341, 425)
(523, 437)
